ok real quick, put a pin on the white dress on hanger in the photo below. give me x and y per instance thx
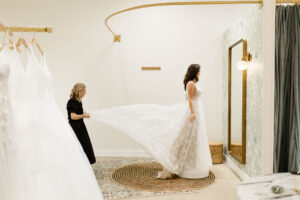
(166, 133)
(11, 185)
(53, 164)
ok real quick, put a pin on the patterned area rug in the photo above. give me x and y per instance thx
(145, 170)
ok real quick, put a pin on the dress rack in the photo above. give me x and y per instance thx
(47, 29)
(11, 29)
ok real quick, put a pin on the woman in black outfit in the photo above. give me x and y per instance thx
(76, 116)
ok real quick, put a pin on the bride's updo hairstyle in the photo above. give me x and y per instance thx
(191, 74)
(76, 91)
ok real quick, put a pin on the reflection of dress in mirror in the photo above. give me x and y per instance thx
(174, 135)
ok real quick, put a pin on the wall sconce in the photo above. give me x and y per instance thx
(244, 63)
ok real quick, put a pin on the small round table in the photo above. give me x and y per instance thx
(259, 188)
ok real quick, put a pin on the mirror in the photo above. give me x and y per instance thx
(237, 79)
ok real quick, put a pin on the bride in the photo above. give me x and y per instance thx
(174, 135)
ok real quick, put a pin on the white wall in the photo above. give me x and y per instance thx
(81, 49)
(268, 89)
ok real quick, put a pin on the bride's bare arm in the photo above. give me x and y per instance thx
(191, 92)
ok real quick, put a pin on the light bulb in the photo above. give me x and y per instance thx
(242, 65)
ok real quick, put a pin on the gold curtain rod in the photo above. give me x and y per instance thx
(288, 1)
(117, 38)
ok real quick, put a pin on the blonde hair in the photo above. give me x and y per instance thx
(77, 89)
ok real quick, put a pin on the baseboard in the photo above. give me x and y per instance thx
(240, 173)
(120, 153)
(141, 154)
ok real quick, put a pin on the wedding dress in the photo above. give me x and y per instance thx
(166, 133)
(53, 165)
(10, 176)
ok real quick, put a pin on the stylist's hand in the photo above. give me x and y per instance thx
(86, 115)
(192, 117)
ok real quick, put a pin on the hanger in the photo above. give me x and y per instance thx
(19, 43)
(3, 41)
(6, 30)
(10, 40)
(36, 43)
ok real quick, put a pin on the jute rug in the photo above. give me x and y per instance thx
(130, 178)
(142, 176)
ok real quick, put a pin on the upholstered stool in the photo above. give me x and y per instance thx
(216, 150)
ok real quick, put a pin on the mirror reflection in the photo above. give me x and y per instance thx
(236, 101)
(238, 62)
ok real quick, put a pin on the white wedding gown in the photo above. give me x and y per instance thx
(166, 133)
(41, 158)
(10, 174)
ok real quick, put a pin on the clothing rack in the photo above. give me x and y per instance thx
(11, 29)
(47, 29)
(117, 38)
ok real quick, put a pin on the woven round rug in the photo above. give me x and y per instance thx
(142, 176)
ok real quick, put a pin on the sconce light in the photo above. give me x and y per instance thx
(244, 63)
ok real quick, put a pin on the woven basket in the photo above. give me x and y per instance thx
(236, 149)
(216, 150)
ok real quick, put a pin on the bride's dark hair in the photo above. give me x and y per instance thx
(191, 74)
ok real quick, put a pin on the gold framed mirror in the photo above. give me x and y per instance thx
(238, 59)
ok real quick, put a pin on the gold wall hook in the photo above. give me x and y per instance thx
(117, 38)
